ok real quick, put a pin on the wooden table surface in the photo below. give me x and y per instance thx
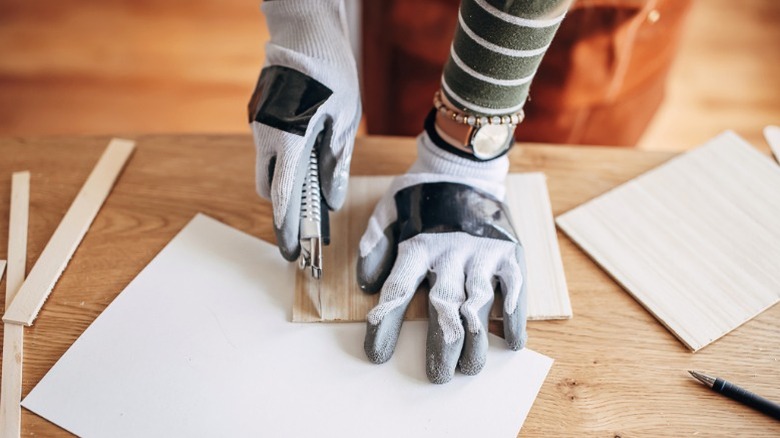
(617, 371)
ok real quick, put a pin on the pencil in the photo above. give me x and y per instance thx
(739, 394)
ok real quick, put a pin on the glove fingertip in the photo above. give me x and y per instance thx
(439, 374)
(379, 348)
(514, 331)
(288, 242)
(441, 356)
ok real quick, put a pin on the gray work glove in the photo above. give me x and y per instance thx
(307, 96)
(444, 221)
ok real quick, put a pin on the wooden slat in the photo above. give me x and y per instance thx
(13, 334)
(17, 234)
(696, 241)
(772, 136)
(25, 307)
(342, 299)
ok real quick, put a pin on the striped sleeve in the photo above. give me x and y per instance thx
(497, 48)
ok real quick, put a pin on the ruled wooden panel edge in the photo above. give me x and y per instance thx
(343, 301)
(17, 234)
(69, 233)
(725, 162)
(772, 136)
(13, 334)
(535, 224)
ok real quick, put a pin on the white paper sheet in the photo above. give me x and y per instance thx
(200, 344)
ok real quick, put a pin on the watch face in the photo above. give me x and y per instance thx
(489, 141)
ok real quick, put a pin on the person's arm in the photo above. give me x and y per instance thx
(497, 48)
(307, 97)
(445, 220)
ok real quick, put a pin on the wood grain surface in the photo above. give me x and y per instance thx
(617, 371)
(336, 297)
(67, 237)
(695, 240)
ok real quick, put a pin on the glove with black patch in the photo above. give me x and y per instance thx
(444, 221)
(307, 96)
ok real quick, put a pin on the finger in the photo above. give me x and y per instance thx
(384, 320)
(512, 277)
(445, 329)
(335, 159)
(475, 312)
(377, 252)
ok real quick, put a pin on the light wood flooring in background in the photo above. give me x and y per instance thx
(151, 66)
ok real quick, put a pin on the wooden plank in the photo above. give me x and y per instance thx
(17, 234)
(342, 299)
(13, 334)
(696, 241)
(772, 136)
(44, 274)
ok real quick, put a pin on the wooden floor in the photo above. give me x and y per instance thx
(151, 66)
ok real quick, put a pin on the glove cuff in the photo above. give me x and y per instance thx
(434, 160)
(315, 28)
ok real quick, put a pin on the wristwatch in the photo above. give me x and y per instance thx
(483, 137)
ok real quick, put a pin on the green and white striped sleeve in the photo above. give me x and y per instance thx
(497, 48)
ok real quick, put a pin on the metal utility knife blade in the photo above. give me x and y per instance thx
(772, 136)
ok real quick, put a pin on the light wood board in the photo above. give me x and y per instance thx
(44, 274)
(772, 136)
(696, 241)
(13, 334)
(342, 299)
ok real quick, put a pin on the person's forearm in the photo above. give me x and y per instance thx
(496, 51)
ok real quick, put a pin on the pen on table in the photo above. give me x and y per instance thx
(739, 394)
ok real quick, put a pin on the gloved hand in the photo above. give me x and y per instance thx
(445, 221)
(307, 96)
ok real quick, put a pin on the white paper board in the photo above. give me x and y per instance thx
(200, 344)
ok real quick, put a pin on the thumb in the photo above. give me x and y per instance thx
(378, 249)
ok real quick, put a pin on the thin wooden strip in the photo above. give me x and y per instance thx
(772, 136)
(68, 235)
(11, 391)
(343, 300)
(531, 211)
(695, 240)
(17, 234)
(13, 334)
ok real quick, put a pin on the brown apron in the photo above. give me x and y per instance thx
(600, 82)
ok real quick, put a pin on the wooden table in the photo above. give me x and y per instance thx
(618, 372)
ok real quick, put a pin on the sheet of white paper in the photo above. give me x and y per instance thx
(200, 344)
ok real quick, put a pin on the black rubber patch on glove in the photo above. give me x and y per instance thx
(449, 207)
(286, 99)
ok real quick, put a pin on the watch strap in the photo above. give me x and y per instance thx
(463, 151)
